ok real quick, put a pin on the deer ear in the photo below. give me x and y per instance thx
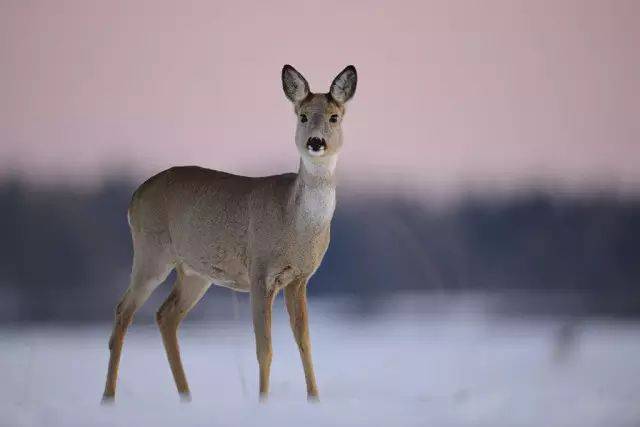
(344, 85)
(294, 84)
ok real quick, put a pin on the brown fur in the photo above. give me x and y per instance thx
(256, 235)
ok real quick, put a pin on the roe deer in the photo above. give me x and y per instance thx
(257, 235)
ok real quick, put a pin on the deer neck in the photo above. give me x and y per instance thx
(314, 195)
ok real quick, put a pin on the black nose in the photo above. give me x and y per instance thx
(316, 144)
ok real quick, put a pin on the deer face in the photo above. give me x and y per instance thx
(319, 116)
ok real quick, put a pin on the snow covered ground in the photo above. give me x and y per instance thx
(446, 369)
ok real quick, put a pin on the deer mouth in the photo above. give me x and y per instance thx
(316, 146)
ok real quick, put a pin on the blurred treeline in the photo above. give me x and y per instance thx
(66, 254)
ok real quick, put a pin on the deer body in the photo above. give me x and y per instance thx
(213, 224)
(257, 235)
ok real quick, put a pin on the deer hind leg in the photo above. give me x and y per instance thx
(187, 291)
(295, 295)
(150, 268)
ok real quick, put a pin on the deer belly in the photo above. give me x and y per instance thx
(235, 280)
(232, 284)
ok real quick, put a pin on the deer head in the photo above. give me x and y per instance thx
(319, 116)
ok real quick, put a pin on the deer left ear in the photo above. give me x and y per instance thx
(344, 85)
(294, 84)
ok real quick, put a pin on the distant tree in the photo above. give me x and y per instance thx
(65, 248)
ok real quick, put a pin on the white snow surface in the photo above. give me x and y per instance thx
(449, 369)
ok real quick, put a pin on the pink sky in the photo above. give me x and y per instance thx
(450, 92)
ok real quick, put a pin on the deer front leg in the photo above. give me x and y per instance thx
(261, 302)
(296, 300)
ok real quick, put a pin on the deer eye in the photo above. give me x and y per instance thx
(303, 118)
(333, 118)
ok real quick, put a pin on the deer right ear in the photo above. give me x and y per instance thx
(294, 84)
(344, 85)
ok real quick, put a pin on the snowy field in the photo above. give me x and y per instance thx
(457, 367)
